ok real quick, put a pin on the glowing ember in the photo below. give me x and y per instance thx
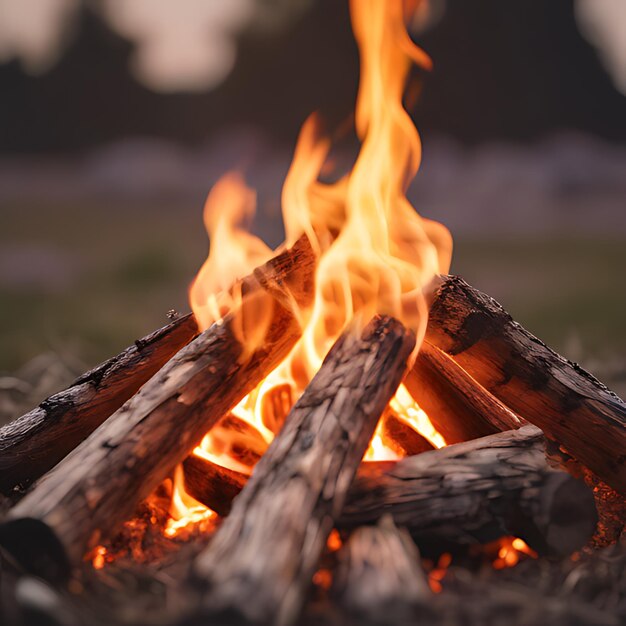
(98, 561)
(510, 550)
(437, 574)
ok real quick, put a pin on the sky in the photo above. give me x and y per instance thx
(191, 45)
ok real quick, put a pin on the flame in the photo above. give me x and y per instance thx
(375, 254)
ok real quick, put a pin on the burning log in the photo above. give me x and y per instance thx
(34, 443)
(478, 491)
(457, 406)
(565, 401)
(378, 577)
(213, 485)
(259, 565)
(100, 483)
(400, 437)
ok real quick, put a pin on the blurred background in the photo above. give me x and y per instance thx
(117, 116)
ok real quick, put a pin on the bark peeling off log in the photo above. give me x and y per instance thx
(259, 565)
(99, 484)
(565, 401)
(476, 492)
(379, 577)
(35, 442)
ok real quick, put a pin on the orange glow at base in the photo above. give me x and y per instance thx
(185, 511)
(511, 548)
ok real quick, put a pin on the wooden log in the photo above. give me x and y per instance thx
(400, 437)
(476, 492)
(567, 403)
(259, 565)
(457, 406)
(100, 483)
(379, 577)
(35, 442)
(211, 484)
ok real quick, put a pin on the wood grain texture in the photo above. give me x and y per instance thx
(99, 484)
(35, 442)
(458, 407)
(571, 406)
(379, 577)
(476, 492)
(259, 565)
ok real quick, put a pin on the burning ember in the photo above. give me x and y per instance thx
(376, 255)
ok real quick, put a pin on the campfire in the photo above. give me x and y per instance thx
(335, 425)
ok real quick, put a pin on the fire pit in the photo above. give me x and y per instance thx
(340, 431)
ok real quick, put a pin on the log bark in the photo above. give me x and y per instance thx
(457, 406)
(379, 578)
(566, 402)
(259, 565)
(476, 492)
(35, 442)
(100, 483)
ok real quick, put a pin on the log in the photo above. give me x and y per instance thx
(400, 437)
(566, 402)
(99, 484)
(211, 484)
(457, 406)
(477, 492)
(379, 578)
(259, 565)
(35, 442)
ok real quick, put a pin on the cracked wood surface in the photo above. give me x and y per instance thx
(258, 567)
(476, 492)
(571, 406)
(99, 484)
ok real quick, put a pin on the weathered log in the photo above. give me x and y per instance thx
(99, 484)
(35, 442)
(457, 406)
(258, 567)
(567, 403)
(476, 492)
(379, 578)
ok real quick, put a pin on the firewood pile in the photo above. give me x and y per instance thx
(314, 533)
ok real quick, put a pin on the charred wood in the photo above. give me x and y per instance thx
(378, 578)
(259, 565)
(35, 442)
(567, 403)
(98, 485)
(476, 492)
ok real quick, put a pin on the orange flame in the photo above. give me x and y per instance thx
(376, 255)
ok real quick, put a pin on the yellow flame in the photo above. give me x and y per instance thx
(376, 255)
